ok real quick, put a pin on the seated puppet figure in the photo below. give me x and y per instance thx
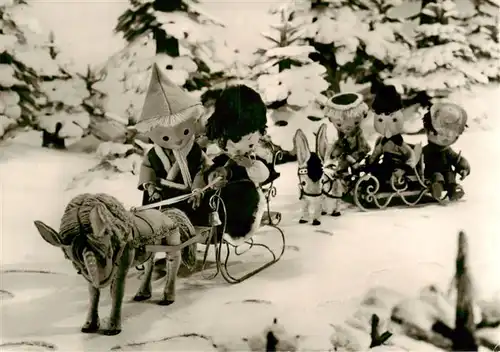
(169, 118)
(398, 156)
(346, 111)
(444, 124)
(236, 125)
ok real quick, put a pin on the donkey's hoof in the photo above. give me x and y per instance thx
(302, 221)
(165, 302)
(323, 213)
(316, 222)
(336, 213)
(90, 327)
(111, 332)
(142, 297)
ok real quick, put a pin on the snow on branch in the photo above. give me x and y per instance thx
(193, 7)
(290, 51)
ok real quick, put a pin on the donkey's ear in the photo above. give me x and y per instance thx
(48, 233)
(322, 142)
(301, 147)
(97, 222)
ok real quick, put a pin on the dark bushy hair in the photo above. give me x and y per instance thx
(314, 167)
(239, 111)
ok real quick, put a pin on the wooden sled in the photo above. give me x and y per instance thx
(207, 235)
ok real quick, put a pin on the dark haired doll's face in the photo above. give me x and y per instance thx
(389, 125)
(174, 137)
(244, 146)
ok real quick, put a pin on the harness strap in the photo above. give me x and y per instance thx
(330, 196)
(199, 238)
(304, 193)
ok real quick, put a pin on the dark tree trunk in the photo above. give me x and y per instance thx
(424, 19)
(325, 56)
(164, 43)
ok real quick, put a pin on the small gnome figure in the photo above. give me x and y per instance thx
(346, 111)
(444, 123)
(169, 118)
(398, 157)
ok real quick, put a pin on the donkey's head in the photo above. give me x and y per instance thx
(310, 166)
(88, 237)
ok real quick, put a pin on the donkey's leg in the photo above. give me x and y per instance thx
(335, 207)
(173, 264)
(304, 209)
(92, 322)
(145, 290)
(118, 291)
(316, 206)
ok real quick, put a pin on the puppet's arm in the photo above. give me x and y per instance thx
(199, 179)
(409, 154)
(377, 151)
(258, 172)
(458, 161)
(147, 175)
(362, 151)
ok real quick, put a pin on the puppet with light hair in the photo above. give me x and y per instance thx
(170, 118)
(346, 111)
(103, 241)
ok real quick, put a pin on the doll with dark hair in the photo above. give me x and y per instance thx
(398, 157)
(237, 124)
(444, 123)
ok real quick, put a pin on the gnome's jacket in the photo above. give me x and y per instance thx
(442, 160)
(153, 169)
(354, 145)
(394, 149)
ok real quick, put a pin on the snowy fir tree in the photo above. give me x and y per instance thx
(62, 117)
(286, 77)
(18, 80)
(483, 35)
(443, 59)
(178, 35)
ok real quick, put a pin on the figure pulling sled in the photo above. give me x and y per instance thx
(396, 172)
(188, 200)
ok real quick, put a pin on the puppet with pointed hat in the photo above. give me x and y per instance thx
(170, 118)
(391, 155)
(444, 123)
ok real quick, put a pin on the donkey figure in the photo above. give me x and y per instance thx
(103, 241)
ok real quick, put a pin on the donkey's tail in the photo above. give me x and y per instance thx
(187, 231)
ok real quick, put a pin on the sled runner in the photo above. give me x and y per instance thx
(213, 234)
(407, 187)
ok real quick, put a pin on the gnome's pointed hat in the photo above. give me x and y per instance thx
(387, 101)
(346, 106)
(165, 104)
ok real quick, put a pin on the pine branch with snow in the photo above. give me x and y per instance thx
(442, 60)
(18, 78)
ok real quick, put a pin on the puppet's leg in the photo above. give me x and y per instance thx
(304, 209)
(437, 181)
(173, 264)
(455, 191)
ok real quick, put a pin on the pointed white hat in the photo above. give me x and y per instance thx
(165, 104)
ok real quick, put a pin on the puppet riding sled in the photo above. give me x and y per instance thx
(397, 172)
(184, 204)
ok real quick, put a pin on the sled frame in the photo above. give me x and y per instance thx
(206, 235)
(400, 189)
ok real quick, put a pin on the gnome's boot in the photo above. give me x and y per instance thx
(437, 186)
(455, 192)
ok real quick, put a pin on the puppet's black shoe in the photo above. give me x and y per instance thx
(336, 213)
(455, 192)
(323, 213)
(302, 221)
(436, 190)
(316, 222)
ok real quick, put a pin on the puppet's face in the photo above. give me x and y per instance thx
(345, 125)
(442, 136)
(244, 146)
(389, 125)
(174, 137)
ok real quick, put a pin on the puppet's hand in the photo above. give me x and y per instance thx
(218, 172)
(196, 197)
(464, 173)
(153, 192)
(244, 161)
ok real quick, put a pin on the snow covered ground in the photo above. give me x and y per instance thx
(322, 274)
